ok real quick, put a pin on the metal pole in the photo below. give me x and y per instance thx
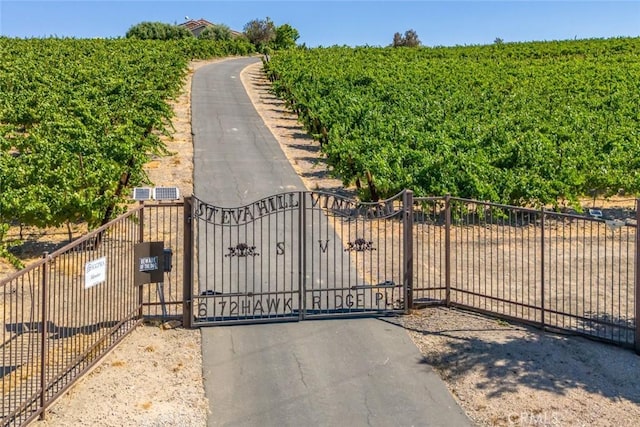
(637, 287)
(408, 249)
(447, 249)
(542, 267)
(187, 264)
(302, 255)
(160, 292)
(140, 240)
(43, 337)
(141, 224)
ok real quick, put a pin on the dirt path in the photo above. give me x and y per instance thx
(501, 374)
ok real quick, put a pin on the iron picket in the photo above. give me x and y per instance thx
(298, 255)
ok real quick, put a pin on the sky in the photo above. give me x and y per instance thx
(327, 23)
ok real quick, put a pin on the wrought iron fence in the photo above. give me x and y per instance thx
(165, 222)
(299, 255)
(568, 272)
(64, 312)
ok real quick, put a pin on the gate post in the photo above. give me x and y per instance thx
(637, 287)
(43, 337)
(407, 201)
(141, 229)
(302, 255)
(447, 249)
(542, 267)
(187, 264)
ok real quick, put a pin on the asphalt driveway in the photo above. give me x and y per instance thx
(318, 373)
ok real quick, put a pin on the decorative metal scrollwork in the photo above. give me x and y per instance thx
(360, 245)
(242, 250)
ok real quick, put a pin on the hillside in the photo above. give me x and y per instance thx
(79, 119)
(522, 123)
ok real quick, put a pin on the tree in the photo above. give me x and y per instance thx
(498, 40)
(286, 37)
(410, 39)
(260, 32)
(397, 40)
(158, 31)
(219, 32)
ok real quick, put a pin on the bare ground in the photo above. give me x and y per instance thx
(504, 374)
(501, 374)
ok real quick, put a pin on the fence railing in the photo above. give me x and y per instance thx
(164, 222)
(64, 312)
(568, 272)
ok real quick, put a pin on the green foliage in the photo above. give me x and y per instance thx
(410, 39)
(158, 31)
(265, 36)
(518, 123)
(219, 32)
(260, 32)
(6, 246)
(203, 49)
(286, 37)
(88, 117)
(80, 118)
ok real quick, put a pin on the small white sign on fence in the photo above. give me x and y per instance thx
(95, 272)
(149, 263)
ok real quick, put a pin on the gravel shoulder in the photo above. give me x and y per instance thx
(501, 374)
(504, 374)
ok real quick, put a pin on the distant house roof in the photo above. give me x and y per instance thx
(197, 25)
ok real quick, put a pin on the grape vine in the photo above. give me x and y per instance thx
(80, 118)
(521, 123)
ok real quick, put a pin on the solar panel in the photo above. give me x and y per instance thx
(142, 193)
(596, 213)
(166, 193)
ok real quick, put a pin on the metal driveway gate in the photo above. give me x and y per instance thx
(300, 255)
